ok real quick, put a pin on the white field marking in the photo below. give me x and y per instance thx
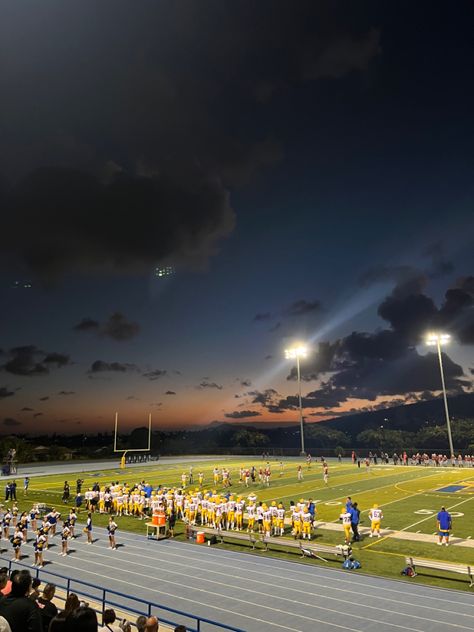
(222, 555)
(397, 500)
(186, 565)
(430, 517)
(266, 583)
(263, 594)
(255, 488)
(207, 604)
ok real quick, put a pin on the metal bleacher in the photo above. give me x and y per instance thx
(125, 606)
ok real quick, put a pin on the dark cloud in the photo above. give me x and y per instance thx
(67, 393)
(87, 324)
(135, 147)
(386, 362)
(263, 316)
(302, 307)
(265, 398)
(268, 357)
(31, 361)
(100, 366)
(4, 392)
(320, 360)
(25, 409)
(10, 422)
(131, 397)
(246, 383)
(440, 266)
(208, 384)
(59, 359)
(275, 327)
(402, 275)
(38, 415)
(176, 216)
(170, 393)
(117, 327)
(44, 399)
(155, 375)
(242, 414)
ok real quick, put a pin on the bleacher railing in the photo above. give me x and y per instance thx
(107, 598)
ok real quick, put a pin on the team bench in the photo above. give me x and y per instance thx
(464, 569)
(231, 535)
(307, 548)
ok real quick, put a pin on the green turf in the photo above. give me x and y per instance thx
(406, 495)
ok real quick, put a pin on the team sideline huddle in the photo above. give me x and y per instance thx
(194, 505)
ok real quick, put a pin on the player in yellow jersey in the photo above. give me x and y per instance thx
(239, 514)
(280, 519)
(267, 520)
(296, 521)
(375, 517)
(346, 518)
(306, 523)
(251, 513)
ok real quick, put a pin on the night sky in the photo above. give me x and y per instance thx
(305, 168)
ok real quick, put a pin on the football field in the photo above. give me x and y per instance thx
(410, 497)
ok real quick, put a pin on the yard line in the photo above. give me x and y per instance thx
(186, 565)
(430, 517)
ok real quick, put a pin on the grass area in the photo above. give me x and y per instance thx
(409, 496)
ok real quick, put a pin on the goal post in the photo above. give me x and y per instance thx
(125, 451)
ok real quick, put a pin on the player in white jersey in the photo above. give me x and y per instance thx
(375, 517)
(346, 518)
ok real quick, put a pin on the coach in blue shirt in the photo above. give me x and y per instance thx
(444, 526)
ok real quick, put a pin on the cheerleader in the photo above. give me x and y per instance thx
(39, 545)
(112, 528)
(65, 535)
(17, 541)
(88, 528)
(72, 521)
(6, 520)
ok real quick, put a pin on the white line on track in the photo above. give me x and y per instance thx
(266, 583)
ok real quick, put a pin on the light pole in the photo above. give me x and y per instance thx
(438, 340)
(295, 353)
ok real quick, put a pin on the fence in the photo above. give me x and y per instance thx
(106, 598)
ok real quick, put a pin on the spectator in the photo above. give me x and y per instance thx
(180, 628)
(108, 622)
(47, 608)
(5, 583)
(141, 623)
(72, 602)
(35, 593)
(151, 624)
(58, 624)
(4, 625)
(20, 612)
(355, 520)
(82, 619)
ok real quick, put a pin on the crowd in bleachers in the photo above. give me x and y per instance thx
(26, 608)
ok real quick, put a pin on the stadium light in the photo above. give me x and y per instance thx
(436, 339)
(295, 353)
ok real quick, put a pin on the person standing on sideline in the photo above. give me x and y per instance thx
(88, 528)
(346, 517)
(17, 541)
(65, 535)
(355, 513)
(112, 528)
(444, 526)
(375, 517)
(26, 484)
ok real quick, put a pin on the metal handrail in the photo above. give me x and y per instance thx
(198, 621)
